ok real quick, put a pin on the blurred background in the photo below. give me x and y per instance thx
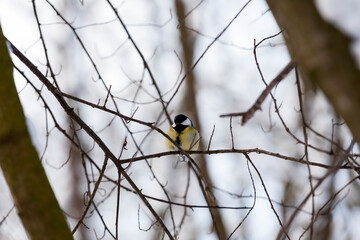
(200, 70)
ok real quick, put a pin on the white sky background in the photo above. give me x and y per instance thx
(228, 81)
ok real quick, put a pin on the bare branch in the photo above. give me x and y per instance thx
(268, 196)
(88, 130)
(257, 105)
(339, 161)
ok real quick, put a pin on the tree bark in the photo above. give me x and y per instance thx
(323, 56)
(34, 199)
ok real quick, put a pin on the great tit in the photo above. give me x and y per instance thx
(183, 133)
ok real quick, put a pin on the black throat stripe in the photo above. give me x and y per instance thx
(178, 142)
(179, 128)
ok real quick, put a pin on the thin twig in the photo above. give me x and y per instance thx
(88, 130)
(232, 134)
(211, 137)
(257, 105)
(7, 215)
(330, 200)
(97, 184)
(205, 51)
(268, 196)
(118, 204)
(253, 205)
(338, 163)
(146, 65)
(306, 141)
(107, 96)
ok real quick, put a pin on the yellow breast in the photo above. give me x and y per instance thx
(187, 139)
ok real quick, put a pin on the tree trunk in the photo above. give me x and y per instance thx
(323, 56)
(33, 196)
(324, 59)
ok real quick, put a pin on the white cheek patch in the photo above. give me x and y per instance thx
(174, 125)
(186, 122)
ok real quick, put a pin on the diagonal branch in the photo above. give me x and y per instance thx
(69, 110)
(339, 160)
(323, 54)
(97, 184)
(267, 195)
(257, 105)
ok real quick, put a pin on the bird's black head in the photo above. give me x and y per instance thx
(181, 122)
(180, 119)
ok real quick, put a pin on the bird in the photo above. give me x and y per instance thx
(183, 133)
